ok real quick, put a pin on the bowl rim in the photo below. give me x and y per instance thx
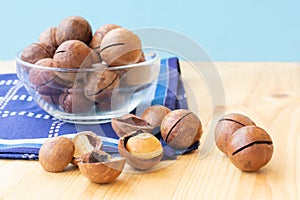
(96, 66)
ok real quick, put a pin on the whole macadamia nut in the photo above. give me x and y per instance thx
(181, 128)
(99, 34)
(56, 153)
(155, 114)
(101, 84)
(120, 46)
(35, 52)
(43, 80)
(73, 100)
(72, 54)
(48, 38)
(250, 148)
(74, 28)
(227, 125)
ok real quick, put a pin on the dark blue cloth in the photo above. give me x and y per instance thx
(24, 126)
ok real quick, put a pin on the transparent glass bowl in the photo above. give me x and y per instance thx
(89, 95)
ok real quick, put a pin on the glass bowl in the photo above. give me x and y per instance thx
(89, 95)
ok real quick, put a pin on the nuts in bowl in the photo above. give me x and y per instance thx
(77, 77)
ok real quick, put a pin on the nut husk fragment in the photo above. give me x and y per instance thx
(85, 142)
(129, 123)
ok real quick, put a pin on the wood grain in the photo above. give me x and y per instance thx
(269, 93)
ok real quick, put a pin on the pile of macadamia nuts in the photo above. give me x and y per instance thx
(248, 146)
(72, 46)
(138, 145)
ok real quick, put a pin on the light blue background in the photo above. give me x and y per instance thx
(231, 30)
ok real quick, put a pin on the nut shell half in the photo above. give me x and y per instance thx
(137, 163)
(102, 172)
(129, 123)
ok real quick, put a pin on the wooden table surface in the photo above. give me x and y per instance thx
(267, 92)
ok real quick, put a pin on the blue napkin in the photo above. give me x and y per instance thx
(24, 126)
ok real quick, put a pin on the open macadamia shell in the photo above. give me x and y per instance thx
(102, 172)
(137, 163)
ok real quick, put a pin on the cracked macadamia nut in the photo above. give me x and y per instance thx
(71, 54)
(56, 153)
(250, 148)
(141, 150)
(181, 128)
(99, 35)
(144, 146)
(74, 28)
(100, 84)
(120, 47)
(227, 125)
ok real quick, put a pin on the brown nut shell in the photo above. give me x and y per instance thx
(137, 163)
(120, 47)
(100, 84)
(155, 114)
(181, 128)
(44, 80)
(74, 28)
(73, 100)
(102, 172)
(99, 35)
(35, 52)
(129, 123)
(227, 125)
(71, 54)
(250, 148)
(85, 142)
(48, 38)
(56, 153)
